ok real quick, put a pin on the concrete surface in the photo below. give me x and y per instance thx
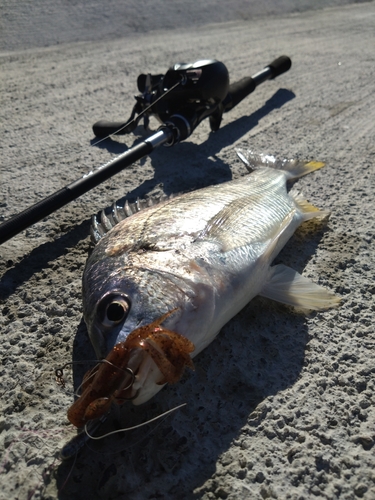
(281, 405)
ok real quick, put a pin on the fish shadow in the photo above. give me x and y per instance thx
(259, 353)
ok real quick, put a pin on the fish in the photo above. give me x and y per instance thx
(160, 284)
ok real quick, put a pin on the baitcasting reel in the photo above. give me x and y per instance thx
(181, 98)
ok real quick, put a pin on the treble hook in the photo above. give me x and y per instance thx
(59, 373)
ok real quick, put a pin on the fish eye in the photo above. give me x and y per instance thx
(113, 309)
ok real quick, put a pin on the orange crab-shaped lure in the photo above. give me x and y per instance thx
(111, 380)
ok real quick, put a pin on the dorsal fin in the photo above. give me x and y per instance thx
(105, 220)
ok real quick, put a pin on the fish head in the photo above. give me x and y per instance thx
(117, 299)
(125, 306)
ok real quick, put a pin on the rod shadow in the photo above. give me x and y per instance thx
(165, 162)
(40, 258)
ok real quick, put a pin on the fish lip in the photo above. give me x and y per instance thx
(103, 344)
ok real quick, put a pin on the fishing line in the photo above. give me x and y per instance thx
(72, 448)
(70, 473)
(59, 372)
(136, 119)
(97, 438)
(125, 370)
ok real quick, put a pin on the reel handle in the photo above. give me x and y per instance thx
(104, 128)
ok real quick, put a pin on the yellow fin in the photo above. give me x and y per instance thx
(314, 165)
(308, 210)
(299, 168)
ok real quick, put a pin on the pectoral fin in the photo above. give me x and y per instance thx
(287, 286)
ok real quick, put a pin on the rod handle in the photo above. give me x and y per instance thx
(280, 65)
(241, 89)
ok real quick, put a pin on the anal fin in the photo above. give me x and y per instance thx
(287, 286)
(308, 210)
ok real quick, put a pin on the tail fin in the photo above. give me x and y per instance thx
(292, 168)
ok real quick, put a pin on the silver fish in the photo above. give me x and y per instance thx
(187, 266)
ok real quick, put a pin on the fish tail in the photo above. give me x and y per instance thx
(293, 168)
(299, 168)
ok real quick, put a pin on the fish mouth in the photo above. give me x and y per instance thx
(135, 369)
(111, 380)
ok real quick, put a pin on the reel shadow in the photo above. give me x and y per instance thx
(166, 161)
(214, 172)
(111, 145)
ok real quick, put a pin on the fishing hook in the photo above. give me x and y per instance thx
(97, 438)
(59, 373)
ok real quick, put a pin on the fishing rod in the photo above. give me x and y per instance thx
(180, 100)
